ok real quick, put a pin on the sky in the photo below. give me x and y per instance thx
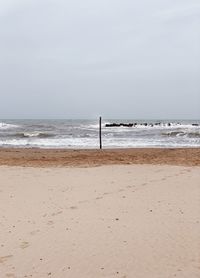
(135, 59)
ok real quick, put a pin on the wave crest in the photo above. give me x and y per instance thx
(33, 135)
(7, 126)
(194, 134)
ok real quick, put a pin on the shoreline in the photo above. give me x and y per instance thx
(36, 157)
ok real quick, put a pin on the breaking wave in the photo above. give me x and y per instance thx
(85, 134)
(194, 134)
(33, 135)
(7, 126)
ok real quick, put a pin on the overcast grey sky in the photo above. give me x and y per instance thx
(115, 58)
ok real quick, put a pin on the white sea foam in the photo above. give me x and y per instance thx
(7, 126)
(52, 143)
(90, 126)
(31, 134)
(84, 134)
(94, 143)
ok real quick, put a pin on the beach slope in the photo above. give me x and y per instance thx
(66, 157)
(110, 221)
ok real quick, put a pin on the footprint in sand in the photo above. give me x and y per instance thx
(84, 201)
(5, 258)
(107, 193)
(24, 244)
(11, 275)
(34, 232)
(50, 222)
(73, 207)
(56, 213)
(99, 198)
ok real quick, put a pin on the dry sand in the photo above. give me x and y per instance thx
(131, 221)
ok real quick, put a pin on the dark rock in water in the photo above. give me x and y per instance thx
(157, 123)
(195, 124)
(112, 125)
(118, 125)
(128, 125)
(169, 124)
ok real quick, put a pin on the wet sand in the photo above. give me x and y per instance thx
(110, 221)
(55, 157)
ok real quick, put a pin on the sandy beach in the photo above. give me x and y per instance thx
(99, 139)
(110, 221)
(36, 157)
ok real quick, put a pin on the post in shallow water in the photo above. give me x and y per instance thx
(100, 139)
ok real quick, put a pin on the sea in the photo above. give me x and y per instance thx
(84, 134)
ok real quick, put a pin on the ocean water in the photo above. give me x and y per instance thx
(79, 134)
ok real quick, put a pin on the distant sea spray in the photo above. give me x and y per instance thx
(79, 134)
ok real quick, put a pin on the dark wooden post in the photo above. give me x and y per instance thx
(100, 140)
